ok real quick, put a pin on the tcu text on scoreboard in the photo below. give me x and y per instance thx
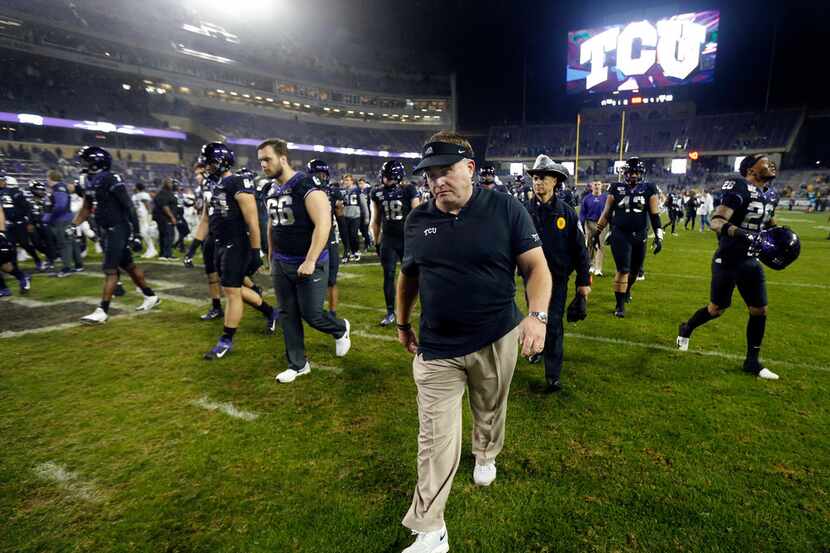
(674, 45)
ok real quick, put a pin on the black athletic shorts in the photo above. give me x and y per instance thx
(747, 275)
(334, 264)
(232, 262)
(209, 254)
(629, 250)
(115, 241)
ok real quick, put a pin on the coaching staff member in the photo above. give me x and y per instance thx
(565, 251)
(470, 325)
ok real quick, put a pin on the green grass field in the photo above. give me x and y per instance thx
(107, 442)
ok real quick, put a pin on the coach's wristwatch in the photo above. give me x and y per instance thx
(541, 315)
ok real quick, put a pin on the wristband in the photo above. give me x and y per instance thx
(405, 326)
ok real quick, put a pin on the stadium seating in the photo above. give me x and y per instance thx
(739, 131)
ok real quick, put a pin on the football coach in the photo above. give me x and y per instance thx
(461, 250)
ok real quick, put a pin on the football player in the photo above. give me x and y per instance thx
(299, 217)
(352, 213)
(521, 190)
(391, 203)
(117, 221)
(318, 170)
(8, 260)
(18, 218)
(203, 238)
(487, 179)
(747, 207)
(143, 204)
(630, 206)
(674, 207)
(234, 225)
(41, 237)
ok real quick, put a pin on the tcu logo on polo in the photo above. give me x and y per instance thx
(430, 230)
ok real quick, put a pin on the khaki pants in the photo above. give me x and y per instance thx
(441, 383)
(597, 254)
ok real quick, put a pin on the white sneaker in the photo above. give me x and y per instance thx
(148, 303)
(289, 375)
(97, 317)
(682, 343)
(429, 542)
(344, 343)
(767, 374)
(483, 475)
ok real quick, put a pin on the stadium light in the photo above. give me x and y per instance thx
(125, 86)
(694, 156)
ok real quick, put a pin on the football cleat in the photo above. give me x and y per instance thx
(220, 350)
(78, 270)
(641, 276)
(290, 375)
(343, 344)
(619, 313)
(758, 370)
(683, 335)
(273, 322)
(188, 262)
(5, 293)
(429, 542)
(214, 313)
(483, 475)
(97, 317)
(388, 320)
(552, 387)
(25, 284)
(148, 303)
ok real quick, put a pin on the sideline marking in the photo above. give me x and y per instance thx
(224, 407)
(68, 481)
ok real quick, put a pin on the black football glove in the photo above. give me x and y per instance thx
(656, 246)
(136, 243)
(255, 262)
(71, 231)
(577, 309)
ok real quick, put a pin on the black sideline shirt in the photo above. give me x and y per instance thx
(465, 266)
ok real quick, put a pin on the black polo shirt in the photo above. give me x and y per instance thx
(465, 266)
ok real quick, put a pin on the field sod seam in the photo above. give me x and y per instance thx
(68, 481)
(227, 408)
(74, 324)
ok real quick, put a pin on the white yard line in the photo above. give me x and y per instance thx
(325, 368)
(224, 407)
(661, 347)
(771, 282)
(68, 481)
(360, 307)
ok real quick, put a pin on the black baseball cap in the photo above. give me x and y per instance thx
(442, 154)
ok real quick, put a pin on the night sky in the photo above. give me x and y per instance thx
(485, 40)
